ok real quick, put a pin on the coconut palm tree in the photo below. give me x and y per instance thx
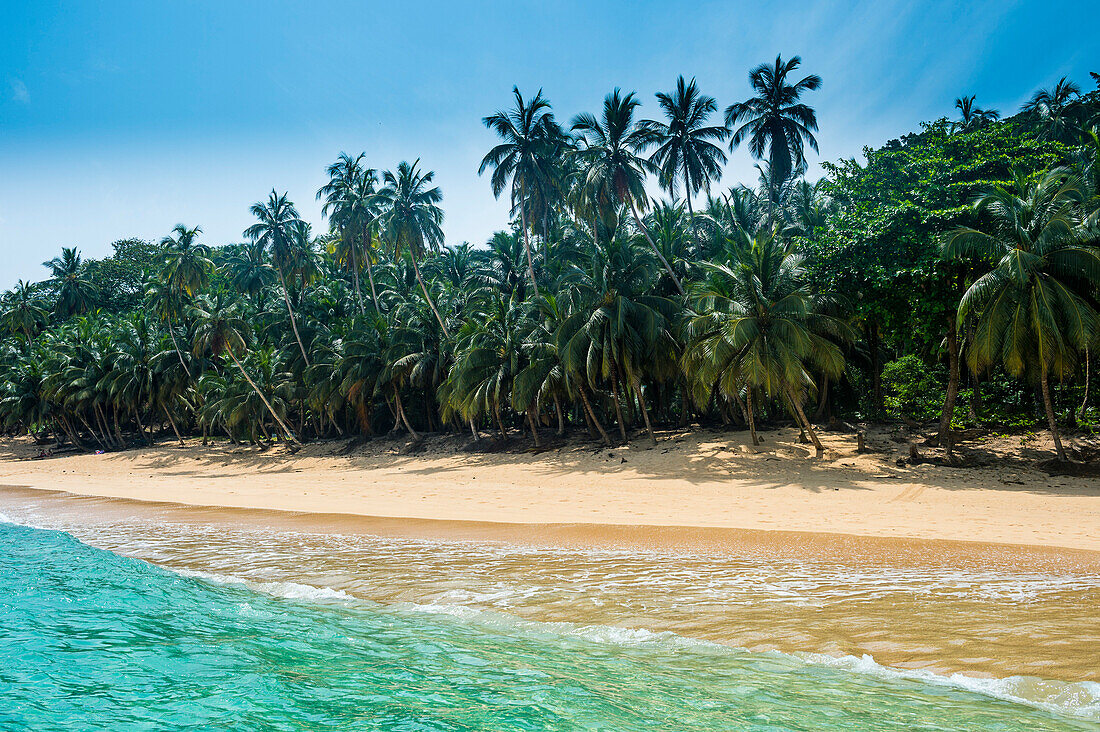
(618, 328)
(221, 331)
(75, 293)
(23, 312)
(249, 271)
(686, 148)
(349, 187)
(760, 328)
(275, 230)
(410, 217)
(610, 157)
(1035, 309)
(971, 115)
(775, 121)
(526, 158)
(1054, 108)
(187, 265)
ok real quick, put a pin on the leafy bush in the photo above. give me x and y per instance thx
(912, 388)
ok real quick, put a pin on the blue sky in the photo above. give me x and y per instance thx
(121, 119)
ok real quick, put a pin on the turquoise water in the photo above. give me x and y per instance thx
(93, 640)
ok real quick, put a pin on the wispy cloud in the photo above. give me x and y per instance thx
(19, 92)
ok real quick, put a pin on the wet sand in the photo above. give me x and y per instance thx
(696, 480)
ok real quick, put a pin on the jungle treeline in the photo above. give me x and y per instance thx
(953, 275)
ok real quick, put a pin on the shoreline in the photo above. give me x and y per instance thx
(692, 482)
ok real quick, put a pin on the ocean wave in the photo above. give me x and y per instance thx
(1074, 698)
(1077, 699)
(284, 589)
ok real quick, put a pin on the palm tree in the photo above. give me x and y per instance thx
(1053, 107)
(410, 218)
(220, 331)
(186, 269)
(774, 121)
(618, 329)
(23, 312)
(249, 272)
(1034, 310)
(685, 149)
(275, 231)
(760, 328)
(610, 156)
(349, 188)
(971, 115)
(75, 293)
(527, 156)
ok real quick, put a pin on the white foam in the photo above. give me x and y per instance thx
(288, 590)
(1078, 699)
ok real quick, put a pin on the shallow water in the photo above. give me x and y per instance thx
(313, 630)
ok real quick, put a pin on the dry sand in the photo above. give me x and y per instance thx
(702, 478)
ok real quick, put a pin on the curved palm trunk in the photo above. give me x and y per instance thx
(473, 430)
(526, 239)
(260, 394)
(172, 332)
(172, 422)
(944, 434)
(401, 413)
(645, 231)
(561, 417)
(645, 412)
(424, 289)
(290, 311)
(1048, 406)
(592, 416)
(805, 423)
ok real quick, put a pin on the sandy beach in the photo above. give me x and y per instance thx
(696, 479)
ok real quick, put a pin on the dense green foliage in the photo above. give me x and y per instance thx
(602, 308)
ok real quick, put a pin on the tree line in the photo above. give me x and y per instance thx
(959, 260)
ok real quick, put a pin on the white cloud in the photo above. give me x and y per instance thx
(19, 92)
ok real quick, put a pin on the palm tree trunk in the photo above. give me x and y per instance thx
(500, 422)
(944, 434)
(172, 332)
(401, 413)
(424, 289)
(797, 406)
(668, 267)
(140, 426)
(1049, 407)
(749, 416)
(293, 324)
(561, 417)
(534, 427)
(473, 430)
(172, 422)
(370, 268)
(526, 239)
(592, 416)
(355, 277)
(645, 412)
(687, 197)
(118, 429)
(260, 394)
(1085, 398)
(618, 405)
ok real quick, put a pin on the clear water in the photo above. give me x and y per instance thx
(90, 639)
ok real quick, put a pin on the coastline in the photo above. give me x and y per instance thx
(688, 485)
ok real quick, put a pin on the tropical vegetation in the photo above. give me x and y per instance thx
(953, 274)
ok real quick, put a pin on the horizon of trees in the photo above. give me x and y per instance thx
(953, 276)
